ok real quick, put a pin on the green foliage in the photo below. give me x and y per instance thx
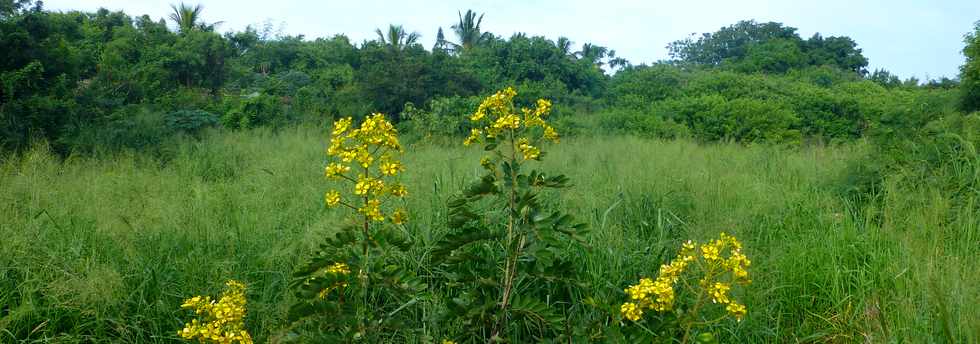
(970, 72)
(190, 121)
(770, 47)
(254, 110)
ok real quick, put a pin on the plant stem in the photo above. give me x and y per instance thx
(512, 255)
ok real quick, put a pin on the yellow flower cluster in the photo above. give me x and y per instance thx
(499, 112)
(717, 259)
(221, 321)
(657, 295)
(371, 148)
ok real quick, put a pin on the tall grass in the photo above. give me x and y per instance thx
(104, 249)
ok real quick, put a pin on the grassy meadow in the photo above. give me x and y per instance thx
(104, 249)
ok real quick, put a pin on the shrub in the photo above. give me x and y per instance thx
(254, 110)
(190, 121)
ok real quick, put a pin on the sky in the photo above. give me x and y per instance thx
(921, 38)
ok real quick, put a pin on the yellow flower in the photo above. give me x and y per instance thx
(447, 341)
(544, 108)
(372, 210)
(391, 168)
(710, 252)
(736, 310)
(631, 311)
(398, 190)
(398, 217)
(335, 169)
(719, 293)
(221, 321)
(550, 133)
(527, 150)
(333, 198)
(486, 162)
(366, 184)
(510, 121)
(340, 126)
(475, 134)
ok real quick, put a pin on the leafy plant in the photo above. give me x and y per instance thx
(353, 289)
(503, 258)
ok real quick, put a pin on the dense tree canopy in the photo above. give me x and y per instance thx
(71, 77)
(970, 71)
(770, 47)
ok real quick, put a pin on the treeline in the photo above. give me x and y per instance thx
(90, 81)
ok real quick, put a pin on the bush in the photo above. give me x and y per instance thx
(190, 121)
(255, 110)
(444, 117)
(624, 121)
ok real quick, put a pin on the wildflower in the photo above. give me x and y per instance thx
(475, 134)
(222, 321)
(710, 252)
(391, 168)
(340, 126)
(550, 133)
(721, 262)
(364, 185)
(486, 162)
(447, 341)
(335, 170)
(510, 121)
(631, 311)
(719, 293)
(398, 190)
(333, 198)
(398, 217)
(372, 210)
(527, 150)
(736, 310)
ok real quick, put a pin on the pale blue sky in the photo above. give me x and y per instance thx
(909, 38)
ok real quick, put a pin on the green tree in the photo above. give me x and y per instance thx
(731, 42)
(468, 31)
(396, 37)
(970, 72)
(186, 18)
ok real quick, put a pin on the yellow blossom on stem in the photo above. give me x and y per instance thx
(631, 311)
(391, 168)
(721, 263)
(335, 170)
(333, 198)
(220, 321)
(398, 217)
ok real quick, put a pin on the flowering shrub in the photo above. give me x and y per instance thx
(720, 265)
(352, 289)
(503, 257)
(219, 321)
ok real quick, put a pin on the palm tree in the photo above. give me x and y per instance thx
(396, 37)
(186, 17)
(468, 31)
(593, 53)
(565, 45)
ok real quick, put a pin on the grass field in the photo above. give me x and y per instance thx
(105, 249)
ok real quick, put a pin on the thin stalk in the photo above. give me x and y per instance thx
(512, 254)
